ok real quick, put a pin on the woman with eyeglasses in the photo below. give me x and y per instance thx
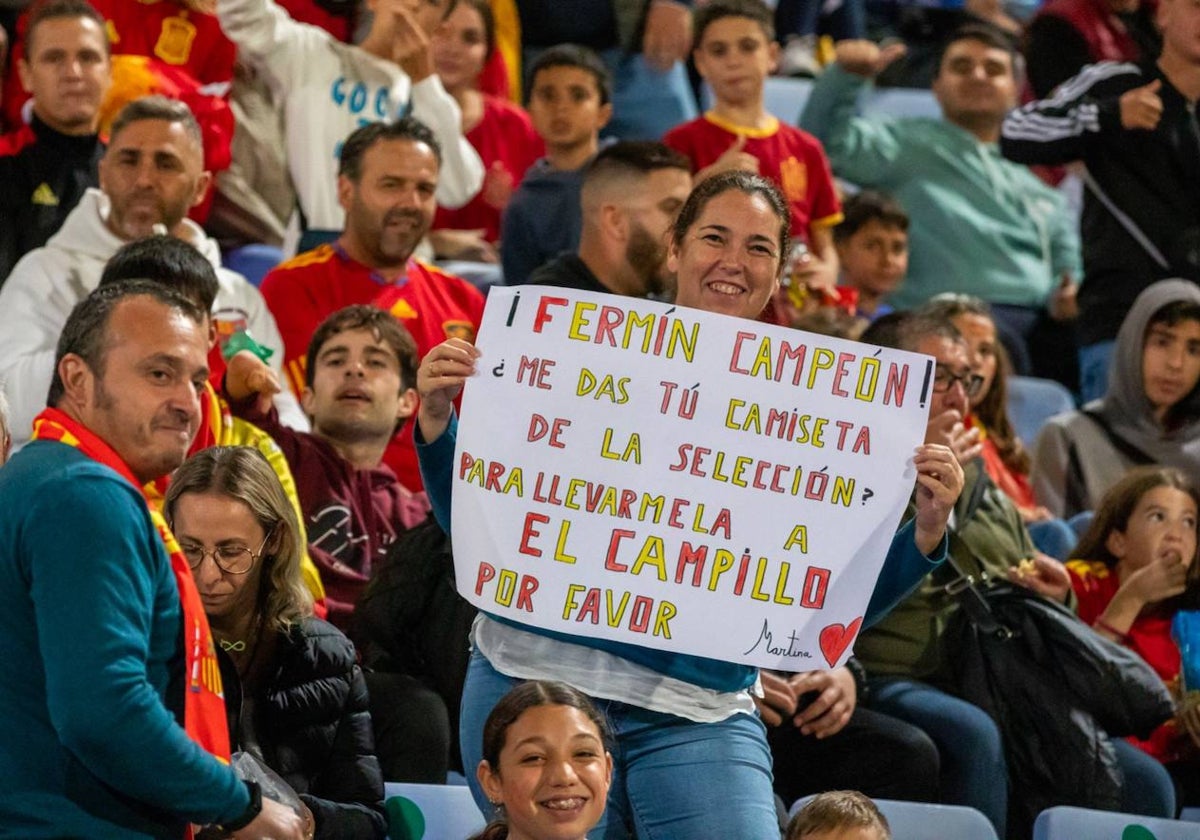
(294, 694)
(1005, 457)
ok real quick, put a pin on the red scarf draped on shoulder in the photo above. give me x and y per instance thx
(204, 702)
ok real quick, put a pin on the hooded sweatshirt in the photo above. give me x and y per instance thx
(1119, 430)
(47, 283)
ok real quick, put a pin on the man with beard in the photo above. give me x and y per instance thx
(631, 193)
(387, 181)
(150, 176)
(979, 223)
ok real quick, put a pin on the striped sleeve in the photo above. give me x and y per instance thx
(1058, 129)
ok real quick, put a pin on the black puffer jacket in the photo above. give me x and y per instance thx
(312, 723)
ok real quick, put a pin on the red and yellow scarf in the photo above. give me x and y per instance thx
(204, 702)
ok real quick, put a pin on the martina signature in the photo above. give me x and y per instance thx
(766, 640)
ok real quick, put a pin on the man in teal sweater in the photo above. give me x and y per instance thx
(979, 223)
(94, 692)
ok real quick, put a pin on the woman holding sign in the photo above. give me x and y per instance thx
(691, 755)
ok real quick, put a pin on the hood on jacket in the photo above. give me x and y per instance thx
(1125, 403)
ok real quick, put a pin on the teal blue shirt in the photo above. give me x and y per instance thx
(904, 568)
(979, 223)
(91, 645)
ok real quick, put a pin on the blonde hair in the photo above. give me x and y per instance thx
(837, 809)
(243, 474)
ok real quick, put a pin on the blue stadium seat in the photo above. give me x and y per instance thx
(785, 98)
(1033, 401)
(430, 812)
(1067, 823)
(253, 261)
(922, 821)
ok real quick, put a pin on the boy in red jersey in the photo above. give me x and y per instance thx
(735, 52)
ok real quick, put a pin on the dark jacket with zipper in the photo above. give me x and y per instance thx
(41, 183)
(1151, 177)
(310, 720)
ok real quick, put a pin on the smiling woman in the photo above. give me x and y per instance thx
(693, 759)
(726, 245)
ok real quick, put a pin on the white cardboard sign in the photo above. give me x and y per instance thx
(658, 475)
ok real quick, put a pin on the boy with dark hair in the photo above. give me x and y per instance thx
(735, 52)
(569, 101)
(872, 249)
(359, 390)
(1150, 412)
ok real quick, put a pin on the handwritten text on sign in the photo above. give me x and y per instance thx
(680, 480)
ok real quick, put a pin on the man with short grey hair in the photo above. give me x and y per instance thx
(151, 175)
(111, 688)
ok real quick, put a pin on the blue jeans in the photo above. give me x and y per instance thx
(672, 777)
(974, 772)
(1094, 361)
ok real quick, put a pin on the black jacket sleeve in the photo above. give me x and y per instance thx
(1064, 127)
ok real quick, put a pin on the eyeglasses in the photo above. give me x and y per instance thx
(943, 381)
(231, 559)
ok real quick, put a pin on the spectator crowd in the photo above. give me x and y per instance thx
(245, 250)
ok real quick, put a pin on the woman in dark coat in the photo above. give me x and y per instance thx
(295, 694)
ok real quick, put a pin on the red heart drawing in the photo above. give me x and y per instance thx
(836, 638)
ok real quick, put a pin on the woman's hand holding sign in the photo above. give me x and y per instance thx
(440, 380)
